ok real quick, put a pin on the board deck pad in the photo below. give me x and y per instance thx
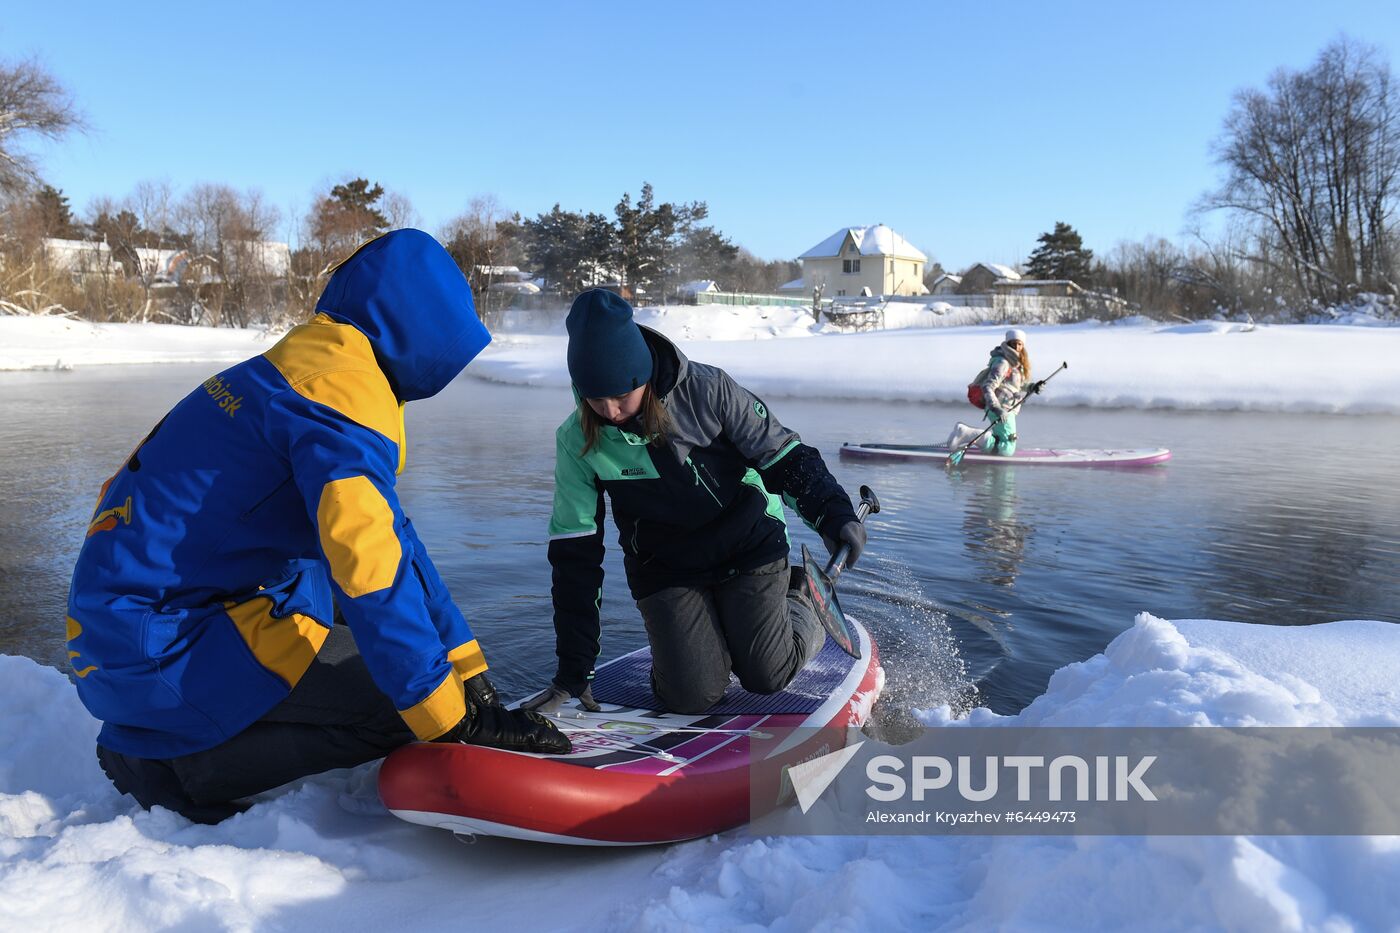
(627, 682)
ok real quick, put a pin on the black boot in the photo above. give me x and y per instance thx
(154, 783)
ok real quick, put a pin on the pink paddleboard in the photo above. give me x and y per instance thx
(1058, 456)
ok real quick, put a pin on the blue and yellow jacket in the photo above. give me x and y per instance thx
(265, 499)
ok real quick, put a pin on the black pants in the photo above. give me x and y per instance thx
(335, 717)
(752, 624)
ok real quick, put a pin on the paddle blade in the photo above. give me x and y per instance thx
(828, 609)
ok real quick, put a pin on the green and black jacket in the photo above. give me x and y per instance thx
(702, 506)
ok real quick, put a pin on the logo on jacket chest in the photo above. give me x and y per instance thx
(633, 472)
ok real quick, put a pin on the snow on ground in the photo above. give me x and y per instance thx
(62, 343)
(1210, 365)
(75, 855)
(776, 352)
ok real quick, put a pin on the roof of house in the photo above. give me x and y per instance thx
(998, 270)
(699, 285)
(794, 285)
(876, 240)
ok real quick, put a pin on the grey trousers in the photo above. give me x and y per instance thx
(335, 717)
(751, 624)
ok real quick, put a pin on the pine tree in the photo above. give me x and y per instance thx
(54, 215)
(1061, 255)
(348, 216)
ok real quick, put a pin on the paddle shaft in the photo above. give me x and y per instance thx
(957, 456)
(838, 560)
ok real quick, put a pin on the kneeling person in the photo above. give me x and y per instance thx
(694, 465)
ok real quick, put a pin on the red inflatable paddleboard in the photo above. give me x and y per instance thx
(638, 775)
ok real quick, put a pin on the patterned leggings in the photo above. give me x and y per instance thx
(1001, 440)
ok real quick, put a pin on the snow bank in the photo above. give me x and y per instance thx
(74, 854)
(1368, 310)
(62, 343)
(1209, 365)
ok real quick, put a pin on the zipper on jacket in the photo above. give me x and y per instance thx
(700, 482)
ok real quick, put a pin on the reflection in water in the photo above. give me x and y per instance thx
(994, 539)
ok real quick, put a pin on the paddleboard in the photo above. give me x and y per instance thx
(638, 775)
(1060, 456)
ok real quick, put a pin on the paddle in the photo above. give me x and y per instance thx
(821, 584)
(956, 457)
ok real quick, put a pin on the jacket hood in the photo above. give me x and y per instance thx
(670, 367)
(405, 293)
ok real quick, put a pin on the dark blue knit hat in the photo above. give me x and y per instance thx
(607, 354)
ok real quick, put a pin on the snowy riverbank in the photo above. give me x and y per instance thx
(62, 343)
(1207, 365)
(75, 855)
(780, 352)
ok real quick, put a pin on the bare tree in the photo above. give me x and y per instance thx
(32, 103)
(1313, 162)
(399, 211)
(234, 275)
(476, 241)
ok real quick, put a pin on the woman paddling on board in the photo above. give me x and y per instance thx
(694, 465)
(1005, 381)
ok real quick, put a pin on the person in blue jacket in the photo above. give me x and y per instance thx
(261, 507)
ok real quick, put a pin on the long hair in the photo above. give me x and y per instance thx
(656, 421)
(1025, 362)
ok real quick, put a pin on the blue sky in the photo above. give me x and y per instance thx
(969, 128)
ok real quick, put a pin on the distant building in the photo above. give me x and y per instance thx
(688, 290)
(261, 259)
(852, 259)
(1045, 288)
(78, 258)
(979, 279)
(503, 273)
(946, 284)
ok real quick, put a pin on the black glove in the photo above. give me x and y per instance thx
(1035, 387)
(516, 730)
(852, 533)
(481, 690)
(552, 698)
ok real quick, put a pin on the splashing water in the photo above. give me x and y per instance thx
(918, 649)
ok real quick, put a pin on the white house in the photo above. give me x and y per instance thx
(78, 257)
(857, 258)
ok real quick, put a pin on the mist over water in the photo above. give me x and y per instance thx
(977, 584)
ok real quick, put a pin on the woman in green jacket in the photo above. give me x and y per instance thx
(697, 470)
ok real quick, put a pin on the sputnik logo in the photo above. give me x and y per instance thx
(810, 779)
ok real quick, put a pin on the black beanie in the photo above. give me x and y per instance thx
(608, 355)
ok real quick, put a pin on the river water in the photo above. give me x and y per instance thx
(977, 584)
